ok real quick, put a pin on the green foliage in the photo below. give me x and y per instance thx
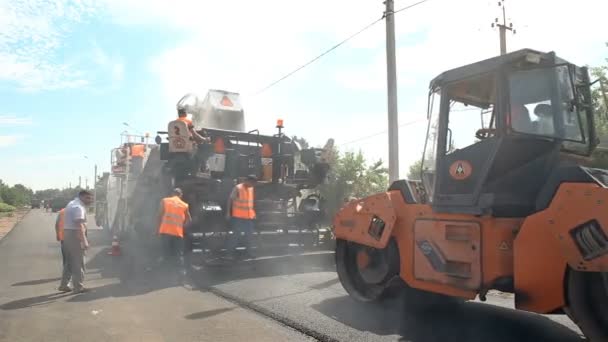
(49, 194)
(5, 208)
(17, 195)
(303, 142)
(352, 176)
(600, 156)
(415, 171)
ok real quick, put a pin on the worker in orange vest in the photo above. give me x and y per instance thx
(240, 211)
(183, 116)
(138, 152)
(172, 217)
(198, 159)
(59, 225)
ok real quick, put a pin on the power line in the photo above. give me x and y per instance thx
(321, 55)
(410, 6)
(365, 28)
(381, 133)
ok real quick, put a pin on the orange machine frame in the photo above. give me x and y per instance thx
(482, 249)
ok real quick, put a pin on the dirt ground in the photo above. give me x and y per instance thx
(7, 221)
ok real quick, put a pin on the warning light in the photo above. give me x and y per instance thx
(226, 102)
(280, 123)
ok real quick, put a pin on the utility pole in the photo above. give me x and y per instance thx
(80, 181)
(503, 27)
(391, 73)
(95, 189)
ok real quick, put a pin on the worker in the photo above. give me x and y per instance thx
(59, 225)
(240, 212)
(120, 159)
(173, 215)
(75, 240)
(544, 125)
(519, 119)
(137, 158)
(198, 157)
(183, 116)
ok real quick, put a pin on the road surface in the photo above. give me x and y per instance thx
(131, 301)
(292, 297)
(304, 292)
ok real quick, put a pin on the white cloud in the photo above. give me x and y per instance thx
(13, 120)
(9, 140)
(31, 33)
(110, 65)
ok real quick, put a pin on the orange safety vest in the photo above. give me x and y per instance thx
(187, 121)
(174, 216)
(137, 150)
(61, 224)
(242, 205)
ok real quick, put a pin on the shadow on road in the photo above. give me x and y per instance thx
(209, 313)
(471, 322)
(155, 280)
(33, 301)
(37, 282)
(135, 272)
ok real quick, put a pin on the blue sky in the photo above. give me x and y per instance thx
(71, 72)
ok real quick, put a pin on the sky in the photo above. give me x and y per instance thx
(73, 71)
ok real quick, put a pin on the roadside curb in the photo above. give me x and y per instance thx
(15, 226)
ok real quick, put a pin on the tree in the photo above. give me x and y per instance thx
(415, 170)
(352, 176)
(303, 142)
(599, 157)
(18, 195)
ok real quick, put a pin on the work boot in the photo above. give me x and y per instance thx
(64, 288)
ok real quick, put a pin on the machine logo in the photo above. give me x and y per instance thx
(461, 170)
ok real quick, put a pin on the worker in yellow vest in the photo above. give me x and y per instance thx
(59, 225)
(241, 213)
(173, 215)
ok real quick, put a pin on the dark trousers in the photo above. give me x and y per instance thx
(239, 227)
(173, 248)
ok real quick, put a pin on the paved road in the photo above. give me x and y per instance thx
(129, 303)
(304, 292)
(132, 303)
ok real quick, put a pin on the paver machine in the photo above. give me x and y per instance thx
(509, 206)
(128, 195)
(289, 210)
